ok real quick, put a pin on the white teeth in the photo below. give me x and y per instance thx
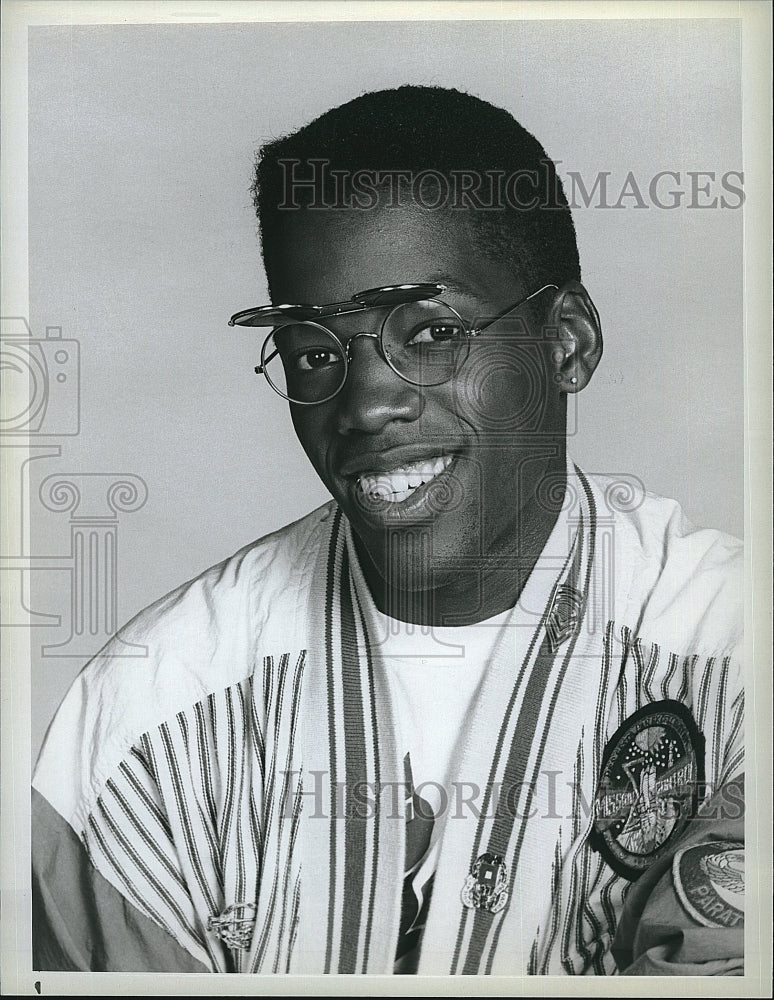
(397, 485)
(381, 488)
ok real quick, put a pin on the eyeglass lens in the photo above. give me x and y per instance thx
(423, 341)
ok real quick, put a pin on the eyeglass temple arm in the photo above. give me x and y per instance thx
(477, 331)
(259, 369)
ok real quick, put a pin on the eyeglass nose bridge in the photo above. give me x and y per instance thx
(371, 336)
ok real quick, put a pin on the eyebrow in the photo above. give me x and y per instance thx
(454, 284)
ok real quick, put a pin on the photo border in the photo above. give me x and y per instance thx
(15, 930)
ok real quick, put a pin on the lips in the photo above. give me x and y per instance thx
(400, 483)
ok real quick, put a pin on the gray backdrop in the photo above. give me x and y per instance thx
(143, 242)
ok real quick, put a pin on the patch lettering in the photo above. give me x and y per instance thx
(709, 882)
(652, 768)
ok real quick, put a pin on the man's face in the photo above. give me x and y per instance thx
(457, 466)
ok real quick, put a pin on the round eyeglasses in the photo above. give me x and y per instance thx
(306, 356)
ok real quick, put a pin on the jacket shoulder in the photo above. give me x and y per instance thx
(208, 634)
(685, 584)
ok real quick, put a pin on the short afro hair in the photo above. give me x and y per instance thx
(441, 134)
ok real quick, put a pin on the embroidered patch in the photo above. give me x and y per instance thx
(234, 926)
(486, 887)
(709, 881)
(565, 616)
(648, 789)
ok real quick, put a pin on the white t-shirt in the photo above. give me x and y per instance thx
(434, 675)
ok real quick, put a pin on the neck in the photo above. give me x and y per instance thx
(424, 592)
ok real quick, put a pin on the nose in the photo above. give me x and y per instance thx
(374, 395)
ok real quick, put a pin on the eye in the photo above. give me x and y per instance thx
(436, 333)
(314, 359)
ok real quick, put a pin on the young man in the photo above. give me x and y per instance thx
(481, 713)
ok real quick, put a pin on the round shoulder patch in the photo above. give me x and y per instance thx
(652, 768)
(709, 881)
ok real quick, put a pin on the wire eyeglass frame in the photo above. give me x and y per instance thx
(278, 316)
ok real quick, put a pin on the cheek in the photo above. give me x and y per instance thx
(310, 425)
(503, 390)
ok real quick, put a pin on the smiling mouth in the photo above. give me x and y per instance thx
(400, 483)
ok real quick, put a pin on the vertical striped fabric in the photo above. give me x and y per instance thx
(354, 850)
(183, 827)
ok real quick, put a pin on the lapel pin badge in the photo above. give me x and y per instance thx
(234, 926)
(564, 618)
(486, 887)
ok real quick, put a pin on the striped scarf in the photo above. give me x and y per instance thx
(352, 872)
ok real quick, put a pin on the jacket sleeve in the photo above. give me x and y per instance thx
(685, 915)
(80, 922)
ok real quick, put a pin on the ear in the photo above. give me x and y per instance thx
(576, 320)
